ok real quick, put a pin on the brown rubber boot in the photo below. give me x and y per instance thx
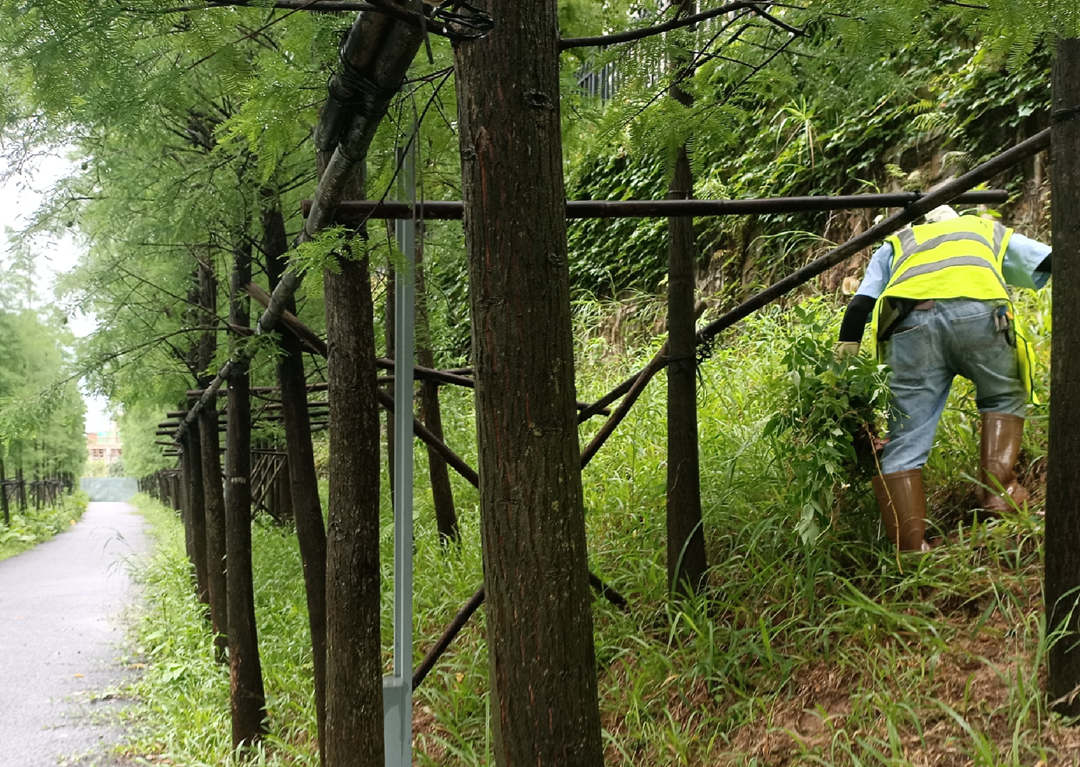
(902, 502)
(999, 449)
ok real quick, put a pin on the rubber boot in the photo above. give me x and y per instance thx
(999, 449)
(902, 502)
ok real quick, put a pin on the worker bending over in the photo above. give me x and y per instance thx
(940, 308)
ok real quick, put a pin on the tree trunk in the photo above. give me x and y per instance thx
(430, 413)
(185, 503)
(214, 503)
(1062, 500)
(540, 642)
(283, 495)
(214, 506)
(307, 512)
(196, 510)
(354, 706)
(248, 698)
(3, 495)
(686, 560)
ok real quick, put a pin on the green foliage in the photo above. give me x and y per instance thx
(137, 425)
(323, 251)
(826, 415)
(33, 526)
(41, 410)
(856, 113)
(827, 654)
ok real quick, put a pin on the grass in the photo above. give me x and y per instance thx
(33, 526)
(836, 653)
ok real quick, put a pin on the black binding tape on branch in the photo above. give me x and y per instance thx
(1065, 114)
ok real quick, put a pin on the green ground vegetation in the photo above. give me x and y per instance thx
(31, 527)
(814, 644)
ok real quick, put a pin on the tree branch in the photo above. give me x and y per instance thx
(453, 25)
(686, 21)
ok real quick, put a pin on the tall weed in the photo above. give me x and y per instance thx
(806, 649)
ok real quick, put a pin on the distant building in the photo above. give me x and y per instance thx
(103, 446)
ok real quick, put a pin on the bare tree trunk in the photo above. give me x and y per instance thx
(430, 413)
(283, 495)
(185, 504)
(214, 500)
(1062, 501)
(686, 559)
(196, 511)
(214, 505)
(540, 642)
(307, 511)
(248, 697)
(3, 495)
(354, 717)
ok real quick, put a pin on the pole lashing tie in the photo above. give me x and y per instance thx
(1065, 114)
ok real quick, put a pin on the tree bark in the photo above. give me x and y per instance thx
(185, 504)
(247, 695)
(686, 559)
(214, 500)
(1062, 501)
(307, 512)
(430, 413)
(540, 642)
(3, 495)
(354, 716)
(214, 505)
(196, 511)
(687, 563)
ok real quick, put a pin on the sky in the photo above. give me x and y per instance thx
(20, 195)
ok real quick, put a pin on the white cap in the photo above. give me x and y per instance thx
(941, 213)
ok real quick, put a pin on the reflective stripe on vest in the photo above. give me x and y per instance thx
(910, 247)
(947, 263)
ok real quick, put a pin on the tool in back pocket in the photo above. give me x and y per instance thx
(1003, 323)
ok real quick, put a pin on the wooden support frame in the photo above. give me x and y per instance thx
(915, 205)
(354, 212)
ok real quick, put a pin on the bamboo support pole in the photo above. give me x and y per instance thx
(654, 366)
(374, 60)
(943, 195)
(449, 634)
(354, 212)
(436, 444)
(949, 192)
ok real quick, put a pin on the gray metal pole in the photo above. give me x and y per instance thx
(397, 688)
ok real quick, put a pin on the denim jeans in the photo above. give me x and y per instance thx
(928, 348)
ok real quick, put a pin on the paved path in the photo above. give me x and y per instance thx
(60, 640)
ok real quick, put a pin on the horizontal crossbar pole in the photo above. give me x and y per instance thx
(352, 212)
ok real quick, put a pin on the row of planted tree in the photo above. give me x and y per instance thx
(220, 167)
(42, 442)
(39, 492)
(216, 503)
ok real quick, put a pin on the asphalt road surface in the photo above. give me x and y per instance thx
(61, 641)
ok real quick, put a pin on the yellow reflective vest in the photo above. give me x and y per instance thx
(960, 258)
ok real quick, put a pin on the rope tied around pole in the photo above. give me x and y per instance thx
(1064, 114)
